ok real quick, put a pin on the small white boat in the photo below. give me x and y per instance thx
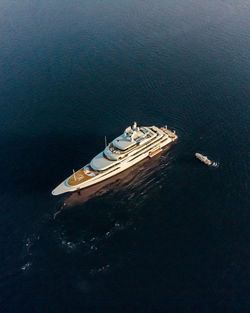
(134, 145)
(206, 160)
(203, 159)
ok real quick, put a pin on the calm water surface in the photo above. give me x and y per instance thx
(169, 235)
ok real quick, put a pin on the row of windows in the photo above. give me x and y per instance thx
(147, 145)
(144, 151)
(137, 154)
(111, 171)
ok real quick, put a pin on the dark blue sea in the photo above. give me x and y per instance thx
(168, 235)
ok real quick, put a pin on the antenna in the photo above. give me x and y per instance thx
(105, 140)
(74, 173)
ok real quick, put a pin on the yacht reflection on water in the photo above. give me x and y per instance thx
(135, 178)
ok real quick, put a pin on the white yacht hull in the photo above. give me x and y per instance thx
(130, 161)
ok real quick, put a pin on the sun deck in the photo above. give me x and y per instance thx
(130, 138)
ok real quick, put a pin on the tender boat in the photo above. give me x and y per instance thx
(134, 145)
(203, 158)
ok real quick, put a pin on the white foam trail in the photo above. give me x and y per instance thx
(215, 164)
(26, 266)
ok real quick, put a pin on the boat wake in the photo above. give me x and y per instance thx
(215, 164)
(78, 231)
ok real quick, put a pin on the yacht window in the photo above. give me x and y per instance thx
(106, 157)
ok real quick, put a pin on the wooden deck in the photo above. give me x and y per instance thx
(78, 178)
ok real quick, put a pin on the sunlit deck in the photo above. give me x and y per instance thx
(78, 178)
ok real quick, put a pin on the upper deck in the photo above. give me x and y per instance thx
(131, 136)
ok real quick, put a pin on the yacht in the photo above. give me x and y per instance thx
(134, 145)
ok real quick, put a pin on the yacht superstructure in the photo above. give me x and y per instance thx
(134, 145)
